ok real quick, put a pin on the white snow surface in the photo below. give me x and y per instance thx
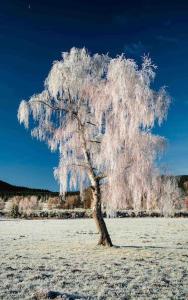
(149, 261)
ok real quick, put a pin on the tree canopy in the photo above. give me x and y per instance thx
(99, 113)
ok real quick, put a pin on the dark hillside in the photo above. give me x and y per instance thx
(7, 190)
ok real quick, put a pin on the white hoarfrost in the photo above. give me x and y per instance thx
(99, 113)
(169, 195)
(23, 113)
(149, 262)
(25, 205)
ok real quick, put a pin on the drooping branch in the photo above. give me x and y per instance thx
(52, 107)
(88, 122)
(92, 141)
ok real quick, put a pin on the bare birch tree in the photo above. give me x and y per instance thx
(99, 112)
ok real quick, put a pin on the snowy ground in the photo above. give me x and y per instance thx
(149, 262)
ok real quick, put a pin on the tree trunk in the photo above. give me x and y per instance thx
(104, 239)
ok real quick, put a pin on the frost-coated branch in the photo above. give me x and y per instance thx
(52, 107)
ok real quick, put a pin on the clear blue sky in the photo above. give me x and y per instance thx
(34, 33)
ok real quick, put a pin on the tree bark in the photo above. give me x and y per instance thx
(104, 239)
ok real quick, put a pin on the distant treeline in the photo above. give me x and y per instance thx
(8, 190)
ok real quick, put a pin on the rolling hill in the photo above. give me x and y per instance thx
(9, 189)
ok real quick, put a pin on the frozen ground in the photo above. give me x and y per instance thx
(150, 262)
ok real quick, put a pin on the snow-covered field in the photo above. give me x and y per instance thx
(150, 260)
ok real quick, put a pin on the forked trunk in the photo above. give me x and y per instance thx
(104, 239)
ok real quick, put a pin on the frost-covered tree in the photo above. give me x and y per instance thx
(99, 112)
(169, 195)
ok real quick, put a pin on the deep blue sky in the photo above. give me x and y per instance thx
(34, 33)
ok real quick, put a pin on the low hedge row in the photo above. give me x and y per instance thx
(79, 214)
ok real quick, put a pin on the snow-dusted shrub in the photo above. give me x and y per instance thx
(27, 205)
(12, 207)
(54, 202)
(9, 204)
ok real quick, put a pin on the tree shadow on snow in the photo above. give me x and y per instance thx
(54, 295)
(149, 247)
